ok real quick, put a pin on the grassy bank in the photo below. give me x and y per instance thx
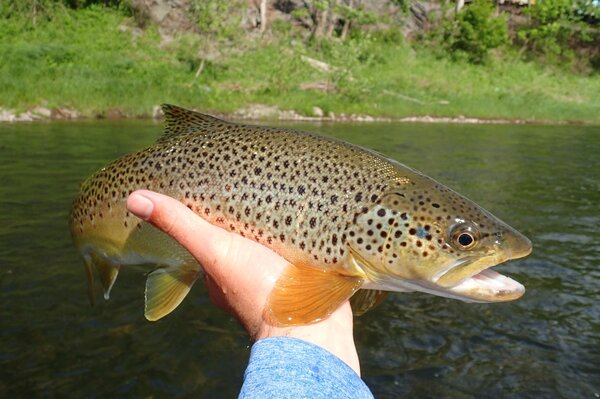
(95, 60)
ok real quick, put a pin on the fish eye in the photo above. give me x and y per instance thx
(464, 236)
(465, 239)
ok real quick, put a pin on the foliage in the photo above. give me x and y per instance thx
(95, 59)
(332, 18)
(404, 5)
(357, 15)
(557, 28)
(219, 18)
(36, 10)
(475, 31)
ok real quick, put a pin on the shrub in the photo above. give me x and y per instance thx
(475, 31)
(556, 29)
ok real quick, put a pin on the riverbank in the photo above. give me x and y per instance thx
(95, 63)
(258, 112)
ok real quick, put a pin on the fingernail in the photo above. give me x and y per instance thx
(140, 205)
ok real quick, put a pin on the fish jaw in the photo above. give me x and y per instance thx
(488, 286)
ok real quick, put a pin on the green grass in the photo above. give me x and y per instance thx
(87, 61)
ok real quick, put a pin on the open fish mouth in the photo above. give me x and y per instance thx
(469, 279)
(472, 279)
(488, 286)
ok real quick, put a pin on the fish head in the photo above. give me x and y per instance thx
(422, 236)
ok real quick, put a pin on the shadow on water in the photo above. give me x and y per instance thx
(545, 181)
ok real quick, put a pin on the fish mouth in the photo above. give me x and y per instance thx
(487, 286)
(472, 279)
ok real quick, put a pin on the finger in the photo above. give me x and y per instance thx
(203, 240)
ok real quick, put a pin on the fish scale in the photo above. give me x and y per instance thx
(323, 204)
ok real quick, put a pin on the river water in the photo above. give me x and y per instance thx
(543, 180)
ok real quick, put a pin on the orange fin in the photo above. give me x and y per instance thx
(365, 300)
(305, 294)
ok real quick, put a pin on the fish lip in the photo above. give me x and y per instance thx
(465, 261)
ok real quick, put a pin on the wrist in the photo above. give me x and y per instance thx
(334, 334)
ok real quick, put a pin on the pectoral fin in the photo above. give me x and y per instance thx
(167, 287)
(305, 294)
(365, 300)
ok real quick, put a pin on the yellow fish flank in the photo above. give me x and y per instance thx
(352, 223)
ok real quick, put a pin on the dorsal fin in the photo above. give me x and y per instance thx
(181, 121)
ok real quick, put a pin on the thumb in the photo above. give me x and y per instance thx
(203, 240)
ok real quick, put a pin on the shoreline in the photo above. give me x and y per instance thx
(259, 112)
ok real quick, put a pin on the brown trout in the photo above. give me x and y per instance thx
(351, 222)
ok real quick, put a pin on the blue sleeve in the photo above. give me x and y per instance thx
(283, 367)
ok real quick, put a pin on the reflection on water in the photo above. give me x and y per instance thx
(544, 181)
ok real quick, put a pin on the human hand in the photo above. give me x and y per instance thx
(240, 275)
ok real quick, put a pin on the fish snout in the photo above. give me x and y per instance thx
(515, 245)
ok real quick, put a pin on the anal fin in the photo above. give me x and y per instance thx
(305, 294)
(107, 270)
(166, 287)
(365, 300)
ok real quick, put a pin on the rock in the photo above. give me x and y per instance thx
(64, 113)
(318, 112)
(319, 86)
(7, 115)
(319, 65)
(258, 111)
(171, 16)
(42, 112)
(114, 113)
